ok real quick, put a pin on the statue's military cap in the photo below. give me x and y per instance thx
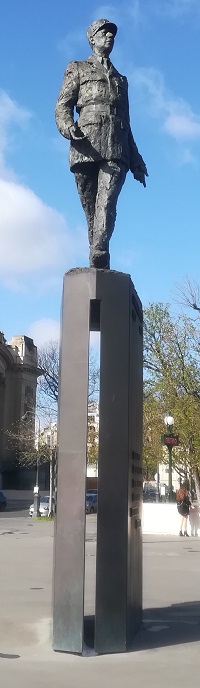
(100, 24)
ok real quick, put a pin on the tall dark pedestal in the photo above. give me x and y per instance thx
(106, 301)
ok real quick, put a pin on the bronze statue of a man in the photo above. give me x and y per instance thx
(102, 147)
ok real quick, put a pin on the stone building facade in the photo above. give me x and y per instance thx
(18, 382)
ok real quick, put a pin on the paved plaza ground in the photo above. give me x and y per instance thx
(166, 651)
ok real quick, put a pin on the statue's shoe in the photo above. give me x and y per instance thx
(101, 260)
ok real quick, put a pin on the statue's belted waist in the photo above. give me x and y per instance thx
(102, 108)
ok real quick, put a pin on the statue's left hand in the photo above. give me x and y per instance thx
(140, 173)
(75, 133)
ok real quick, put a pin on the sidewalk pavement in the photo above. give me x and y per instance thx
(165, 651)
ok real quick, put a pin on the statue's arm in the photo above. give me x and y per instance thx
(67, 99)
(137, 164)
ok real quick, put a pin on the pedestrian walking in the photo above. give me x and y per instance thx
(183, 506)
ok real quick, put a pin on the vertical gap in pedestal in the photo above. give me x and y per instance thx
(92, 476)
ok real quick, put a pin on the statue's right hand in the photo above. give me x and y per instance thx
(75, 133)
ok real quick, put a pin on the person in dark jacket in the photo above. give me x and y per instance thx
(183, 506)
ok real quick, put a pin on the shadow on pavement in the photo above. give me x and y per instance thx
(194, 519)
(174, 625)
(89, 622)
(13, 506)
(3, 656)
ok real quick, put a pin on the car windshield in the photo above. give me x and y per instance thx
(90, 497)
(44, 500)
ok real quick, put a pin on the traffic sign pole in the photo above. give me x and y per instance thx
(170, 472)
(170, 440)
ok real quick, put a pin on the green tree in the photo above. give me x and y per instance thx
(172, 377)
(152, 428)
(28, 452)
(32, 450)
(92, 445)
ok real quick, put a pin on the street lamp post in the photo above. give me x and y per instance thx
(36, 501)
(50, 440)
(169, 422)
(37, 459)
(169, 440)
(36, 510)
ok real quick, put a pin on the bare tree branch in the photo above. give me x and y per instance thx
(188, 294)
(48, 358)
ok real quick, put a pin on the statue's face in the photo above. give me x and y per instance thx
(103, 41)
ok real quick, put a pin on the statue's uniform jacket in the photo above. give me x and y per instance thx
(100, 97)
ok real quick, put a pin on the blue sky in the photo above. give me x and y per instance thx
(42, 226)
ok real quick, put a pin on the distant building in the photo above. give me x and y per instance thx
(164, 476)
(49, 435)
(93, 416)
(18, 381)
(93, 438)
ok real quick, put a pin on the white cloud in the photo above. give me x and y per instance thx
(142, 13)
(44, 330)
(71, 41)
(183, 125)
(47, 329)
(178, 8)
(34, 237)
(106, 12)
(11, 115)
(176, 116)
(135, 12)
(95, 341)
(187, 158)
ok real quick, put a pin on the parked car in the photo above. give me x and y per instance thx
(44, 506)
(3, 502)
(91, 503)
(90, 491)
(149, 495)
